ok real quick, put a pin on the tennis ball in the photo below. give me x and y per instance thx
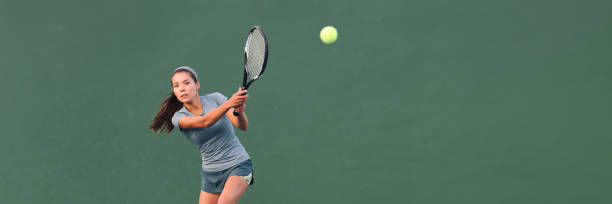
(329, 34)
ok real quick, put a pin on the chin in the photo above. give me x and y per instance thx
(187, 100)
(182, 100)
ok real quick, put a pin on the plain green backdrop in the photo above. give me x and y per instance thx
(422, 101)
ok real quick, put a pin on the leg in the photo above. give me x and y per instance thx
(208, 198)
(234, 187)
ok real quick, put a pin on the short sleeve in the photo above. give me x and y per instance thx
(219, 98)
(176, 117)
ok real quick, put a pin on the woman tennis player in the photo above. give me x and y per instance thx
(207, 122)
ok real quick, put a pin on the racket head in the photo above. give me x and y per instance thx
(255, 55)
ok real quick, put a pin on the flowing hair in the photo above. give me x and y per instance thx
(162, 121)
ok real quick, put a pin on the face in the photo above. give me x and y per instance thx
(184, 87)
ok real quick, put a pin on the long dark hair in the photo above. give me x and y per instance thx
(163, 120)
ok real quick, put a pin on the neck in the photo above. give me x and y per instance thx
(195, 106)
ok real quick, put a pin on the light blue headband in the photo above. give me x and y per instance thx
(189, 69)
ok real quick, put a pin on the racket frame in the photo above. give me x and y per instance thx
(245, 84)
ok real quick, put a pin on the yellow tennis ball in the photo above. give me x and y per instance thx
(329, 34)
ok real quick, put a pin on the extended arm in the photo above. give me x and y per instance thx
(213, 116)
(203, 121)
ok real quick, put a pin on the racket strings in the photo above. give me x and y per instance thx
(255, 51)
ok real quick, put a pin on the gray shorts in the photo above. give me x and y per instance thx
(213, 182)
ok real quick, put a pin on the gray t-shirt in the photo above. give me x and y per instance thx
(218, 144)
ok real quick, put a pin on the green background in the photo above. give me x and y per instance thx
(424, 101)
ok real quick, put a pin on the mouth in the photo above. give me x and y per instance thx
(183, 95)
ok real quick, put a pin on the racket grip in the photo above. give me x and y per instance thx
(236, 113)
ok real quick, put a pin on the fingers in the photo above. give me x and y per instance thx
(238, 99)
(239, 102)
(240, 92)
(240, 95)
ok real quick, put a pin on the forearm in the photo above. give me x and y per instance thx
(213, 116)
(243, 122)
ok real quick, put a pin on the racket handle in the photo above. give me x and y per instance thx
(236, 113)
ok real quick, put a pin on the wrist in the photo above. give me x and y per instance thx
(225, 106)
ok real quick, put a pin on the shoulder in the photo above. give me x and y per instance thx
(215, 96)
(178, 115)
(180, 112)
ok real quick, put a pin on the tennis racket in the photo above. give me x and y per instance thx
(255, 57)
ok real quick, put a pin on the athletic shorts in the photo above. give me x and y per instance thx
(213, 182)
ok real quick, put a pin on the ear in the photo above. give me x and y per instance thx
(197, 85)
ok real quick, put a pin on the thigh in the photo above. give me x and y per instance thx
(208, 198)
(234, 188)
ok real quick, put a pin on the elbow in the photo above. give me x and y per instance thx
(244, 128)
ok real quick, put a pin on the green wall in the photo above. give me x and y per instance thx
(426, 101)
